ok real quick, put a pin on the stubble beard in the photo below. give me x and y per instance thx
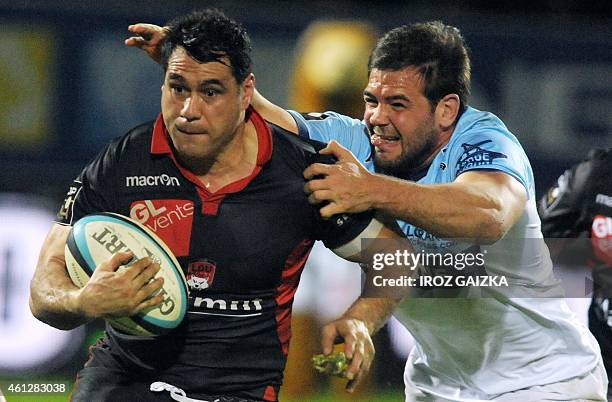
(411, 159)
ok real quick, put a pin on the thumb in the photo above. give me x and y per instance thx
(341, 153)
(329, 334)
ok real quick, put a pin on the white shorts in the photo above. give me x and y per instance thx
(592, 386)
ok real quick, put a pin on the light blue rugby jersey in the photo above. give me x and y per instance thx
(499, 344)
(480, 141)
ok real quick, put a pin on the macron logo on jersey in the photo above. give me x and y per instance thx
(143, 181)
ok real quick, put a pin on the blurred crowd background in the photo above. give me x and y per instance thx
(68, 85)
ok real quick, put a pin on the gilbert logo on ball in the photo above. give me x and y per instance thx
(93, 239)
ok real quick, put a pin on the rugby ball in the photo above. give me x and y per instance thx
(93, 239)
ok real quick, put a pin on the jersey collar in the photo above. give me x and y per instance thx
(160, 145)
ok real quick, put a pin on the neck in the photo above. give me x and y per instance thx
(236, 160)
(443, 140)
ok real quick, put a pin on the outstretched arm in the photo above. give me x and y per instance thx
(485, 204)
(370, 312)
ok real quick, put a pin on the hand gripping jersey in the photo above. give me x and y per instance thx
(580, 205)
(480, 348)
(242, 250)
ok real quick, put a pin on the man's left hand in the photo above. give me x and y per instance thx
(148, 37)
(345, 185)
(358, 347)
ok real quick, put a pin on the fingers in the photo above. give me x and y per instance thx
(117, 260)
(145, 30)
(320, 196)
(137, 268)
(360, 365)
(361, 350)
(144, 276)
(330, 210)
(136, 41)
(356, 357)
(317, 169)
(146, 296)
(148, 303)
(341, 153)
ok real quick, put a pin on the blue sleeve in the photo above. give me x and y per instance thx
(491, 148)
(348, 132)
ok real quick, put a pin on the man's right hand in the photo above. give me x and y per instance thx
(112, 293)
(148, 37)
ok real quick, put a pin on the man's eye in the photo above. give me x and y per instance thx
(177, 89)
(211, 92)
(370, 101)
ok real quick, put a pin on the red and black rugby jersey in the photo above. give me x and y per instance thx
(242, 249)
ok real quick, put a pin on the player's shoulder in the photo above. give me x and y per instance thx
(136, 140)
(477, 122)
(130, 147)
(476, 129)
(327, 119)
(592, 171)
(290, 142)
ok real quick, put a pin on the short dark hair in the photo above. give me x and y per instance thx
(208, 36)
(438, 50)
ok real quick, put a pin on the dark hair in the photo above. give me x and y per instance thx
(437, 50)
(208, 36)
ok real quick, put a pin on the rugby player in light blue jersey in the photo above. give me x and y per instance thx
(447, 171)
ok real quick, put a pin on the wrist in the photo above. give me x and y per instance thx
(361, 321)
(76, 306)
(376, 190)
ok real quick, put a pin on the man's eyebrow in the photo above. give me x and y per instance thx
(397, 97)
(212, 81)
(391, 98)
(177, 77)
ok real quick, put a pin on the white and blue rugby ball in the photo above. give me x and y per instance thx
(93, 239)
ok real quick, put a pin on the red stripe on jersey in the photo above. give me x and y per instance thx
(290, 279)
(160, 144)
(270, 394)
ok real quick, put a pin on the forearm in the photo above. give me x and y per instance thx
(444, 210)
(54, 298)
(273, 113)
(373, 312)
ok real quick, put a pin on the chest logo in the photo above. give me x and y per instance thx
(171, 220)
(146, 181)
(200, 274)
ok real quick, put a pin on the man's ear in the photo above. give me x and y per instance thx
(248, 88)
(447, 111)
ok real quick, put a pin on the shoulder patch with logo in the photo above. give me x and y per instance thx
(475, 156)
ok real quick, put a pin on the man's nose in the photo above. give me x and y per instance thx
(379, 116)
(192, 108)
